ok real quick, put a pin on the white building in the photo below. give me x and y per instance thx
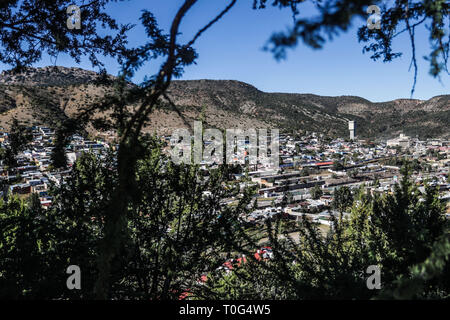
(351, 127)
(402, 141)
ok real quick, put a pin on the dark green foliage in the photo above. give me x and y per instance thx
(342, 199)
(337, 166)
(27, 266)
(316, 192)
(178, 232)
(38, 245)
(175, 232)
(141, 227)
(429, 279)
(406, 237)
(18, 138)
(63, 134)
(31, 28)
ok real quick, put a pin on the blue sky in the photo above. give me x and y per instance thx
(232, 49)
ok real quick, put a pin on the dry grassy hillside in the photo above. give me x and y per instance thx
(48, 95)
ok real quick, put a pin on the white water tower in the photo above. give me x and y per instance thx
(351, 127)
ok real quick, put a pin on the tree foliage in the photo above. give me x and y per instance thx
(18, 138)
(405, 234)
(30, 28)
(140, 226)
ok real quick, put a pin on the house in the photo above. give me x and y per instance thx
(24, 188)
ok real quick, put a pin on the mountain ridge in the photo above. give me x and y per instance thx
(49, 94)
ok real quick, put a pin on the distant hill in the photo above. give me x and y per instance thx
(47, 95)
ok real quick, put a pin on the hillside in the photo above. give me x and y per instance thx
(47, 95)
(316, 113)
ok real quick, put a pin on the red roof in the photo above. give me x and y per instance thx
(324, 163)
(229, 265)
